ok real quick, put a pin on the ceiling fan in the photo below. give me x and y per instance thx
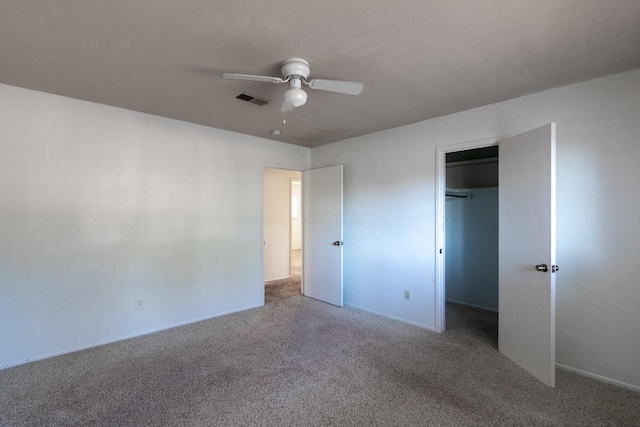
(295, 72)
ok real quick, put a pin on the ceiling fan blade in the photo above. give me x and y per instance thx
(252, 78)
(350, 88)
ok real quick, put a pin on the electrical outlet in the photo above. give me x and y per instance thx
(138, 304)
(407, 295)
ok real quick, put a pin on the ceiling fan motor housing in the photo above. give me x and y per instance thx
(295, 67)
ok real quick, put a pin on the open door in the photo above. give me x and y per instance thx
(527, 254)
(322, 235)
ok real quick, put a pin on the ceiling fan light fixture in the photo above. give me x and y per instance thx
(295, 96)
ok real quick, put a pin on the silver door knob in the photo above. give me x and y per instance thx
(542, 268)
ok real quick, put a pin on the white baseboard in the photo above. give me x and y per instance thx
(599, 377)
(122, 338)
(399, 319)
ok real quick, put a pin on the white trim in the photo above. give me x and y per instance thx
(441, 191)
(441, 195)
(125, 337)
(598, 377)
(388, 316)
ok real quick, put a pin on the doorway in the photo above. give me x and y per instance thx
(471, 241)
(526, 247)
(282, 234)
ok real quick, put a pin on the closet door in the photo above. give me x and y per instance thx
(527, 254)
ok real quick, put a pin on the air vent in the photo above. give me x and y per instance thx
(252, 99)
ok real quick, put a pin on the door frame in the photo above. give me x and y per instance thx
(268, 165)
(441, 187)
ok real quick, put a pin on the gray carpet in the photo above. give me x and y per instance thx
(281, 289)
(300, 362)
(276, 290)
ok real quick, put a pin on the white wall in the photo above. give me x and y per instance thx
(100, 206)
(471, 258)
(277, 222)
(390, 215)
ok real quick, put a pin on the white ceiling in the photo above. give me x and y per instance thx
(418, 59)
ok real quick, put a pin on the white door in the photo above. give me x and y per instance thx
(322, 235)
(526, 325)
